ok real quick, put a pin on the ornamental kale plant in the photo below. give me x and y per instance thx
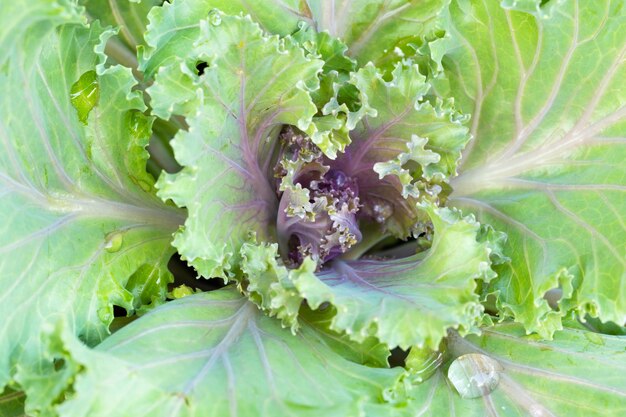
(313, 208)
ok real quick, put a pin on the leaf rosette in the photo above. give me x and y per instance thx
(301, 219)
(315, 152)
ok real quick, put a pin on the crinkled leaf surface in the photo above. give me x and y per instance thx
(130, 16)
(254, 84)
(579, 373)
(131, 19)
(395, 112)
(404, 302)
(222, 357)
(175, 27)
(82, 229)
(370, 28)
(269, 283)
(547, 95)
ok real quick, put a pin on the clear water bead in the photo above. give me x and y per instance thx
(215, 17)
(474, 375)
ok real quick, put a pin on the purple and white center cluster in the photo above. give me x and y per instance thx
(328, 226)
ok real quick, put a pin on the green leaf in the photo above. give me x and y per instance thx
(269, 283)
(530, 6)
(175, 27)
(223, 357)
(394, 112)
(85, 94)
(572, 375)
(82, 229)
(253, 85)
(336, 96)
(371, 351)
(32, 18)
(130, 19)
(130, 16)
(370, 28)
(402, 302)
(415, 153)
(329, 49)
(547, 166)
(12, 404)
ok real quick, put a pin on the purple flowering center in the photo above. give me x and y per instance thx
(318, 205)
(338, 187)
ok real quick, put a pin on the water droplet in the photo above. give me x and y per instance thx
(423, 363)
(114, 241)
(474, 375)
(382, 211)
(215, 17)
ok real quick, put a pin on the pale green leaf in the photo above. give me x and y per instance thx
(269, 283)
(175, 27)
(370, 352)
(402, 302)
(330, 127)
(82, 229)
(130, 17)
(35, 18)
(253, 85)
(578, 374)
(222, 357)
(370, 28)
(394, 112)
(547, 96)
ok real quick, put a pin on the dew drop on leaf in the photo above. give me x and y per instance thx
(382, 211)
(215, 17)
(423, 363)
(474, 375)
(114, 241)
